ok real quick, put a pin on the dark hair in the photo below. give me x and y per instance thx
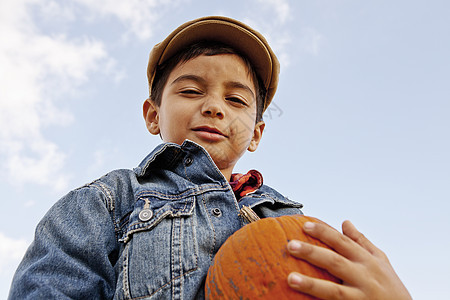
(207, 48)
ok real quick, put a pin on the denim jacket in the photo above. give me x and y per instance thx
(147, 233)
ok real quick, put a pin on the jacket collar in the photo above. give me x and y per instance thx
(266, 194)
(177, 158)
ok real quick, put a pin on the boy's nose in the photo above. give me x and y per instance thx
(212, 108)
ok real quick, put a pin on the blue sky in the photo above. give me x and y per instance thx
(359, 128)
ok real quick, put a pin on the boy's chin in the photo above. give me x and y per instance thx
(222, 155)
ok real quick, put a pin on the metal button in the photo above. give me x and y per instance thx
(217, 212)
(188, 161)
(145, 215)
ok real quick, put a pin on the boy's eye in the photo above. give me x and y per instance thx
(190, 92)
(237, 100)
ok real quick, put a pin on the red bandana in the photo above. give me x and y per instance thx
(244, 184)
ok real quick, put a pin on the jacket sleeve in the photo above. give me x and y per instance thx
(73, 253)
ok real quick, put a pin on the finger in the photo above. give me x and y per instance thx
(324, 258)
(341, 243)
(350, 230)
(322, 289)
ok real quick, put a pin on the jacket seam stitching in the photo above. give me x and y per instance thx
(110, 204)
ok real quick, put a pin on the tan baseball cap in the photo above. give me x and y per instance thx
(231, 32)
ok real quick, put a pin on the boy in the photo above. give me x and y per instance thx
(151, 233)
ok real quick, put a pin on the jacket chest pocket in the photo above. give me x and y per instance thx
(160, 248)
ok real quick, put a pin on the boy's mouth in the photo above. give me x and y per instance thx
(207, 129)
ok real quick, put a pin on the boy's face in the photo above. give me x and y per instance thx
(210, 100)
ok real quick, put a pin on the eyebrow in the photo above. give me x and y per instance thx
(229, 84)
(239, 85)
(189, 77)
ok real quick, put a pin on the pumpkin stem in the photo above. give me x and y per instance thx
(248, 214)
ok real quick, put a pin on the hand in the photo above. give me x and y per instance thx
(364, 269)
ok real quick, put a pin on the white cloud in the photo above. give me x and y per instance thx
(11, 252)
(36, 68)
(55, 9)
(280, 8)
(273, 18)
(270, 19)
(139, 16)
(42, 164)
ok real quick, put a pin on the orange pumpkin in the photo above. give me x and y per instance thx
(254, 263)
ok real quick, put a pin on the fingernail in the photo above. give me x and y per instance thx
(295, 279)
(308, 225)
(294, 245)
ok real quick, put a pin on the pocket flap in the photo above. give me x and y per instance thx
(150, 210)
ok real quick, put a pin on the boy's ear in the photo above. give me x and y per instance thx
(151, 116)
(257, 135)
